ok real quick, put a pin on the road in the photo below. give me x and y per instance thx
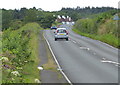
(85, 60)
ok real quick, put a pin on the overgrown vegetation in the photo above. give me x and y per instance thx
(16, 17)
(20, 54)
(81, 13)
(0, 55)
(101, 27)
(20, 29)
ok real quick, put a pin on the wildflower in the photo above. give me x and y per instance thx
(13, 79)
(16, 73)
(4, 59)
(37, 81)
(25, 61)
(19, 68)
(5, 66)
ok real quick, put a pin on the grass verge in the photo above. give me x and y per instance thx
(0, 57)
(31, 72)
(51, 64)
(107, 38)
(20, 54)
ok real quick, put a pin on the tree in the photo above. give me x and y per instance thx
(23, 13)
(31, 15)
(7, 16)
(47, 20)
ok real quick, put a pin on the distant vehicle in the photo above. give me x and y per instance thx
(61, 33)
(53, 27)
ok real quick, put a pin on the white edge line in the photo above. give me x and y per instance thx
(107, 61)
(57, 62)
(107, 45)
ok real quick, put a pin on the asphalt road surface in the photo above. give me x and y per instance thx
(85, 60)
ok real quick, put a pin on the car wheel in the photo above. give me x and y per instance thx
(67, 39)
(55, 39)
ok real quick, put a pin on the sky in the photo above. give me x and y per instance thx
(55, 5)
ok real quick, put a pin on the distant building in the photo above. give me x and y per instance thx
(63, 19)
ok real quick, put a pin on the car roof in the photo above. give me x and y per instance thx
(61, 28)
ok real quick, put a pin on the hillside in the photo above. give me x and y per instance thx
(20, 54)
(101, 27)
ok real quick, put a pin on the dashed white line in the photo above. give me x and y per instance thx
(59, 67)
(74, 42)
(84, 48)
(108, 61)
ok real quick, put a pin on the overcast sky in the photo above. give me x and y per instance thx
(55, 5)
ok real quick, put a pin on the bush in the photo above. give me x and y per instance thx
(86, 26)
(16, 24)
(17, 49)
(101, 27)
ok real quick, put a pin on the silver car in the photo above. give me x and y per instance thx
(61, 33)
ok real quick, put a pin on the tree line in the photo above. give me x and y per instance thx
(79, 13)
(16, 18)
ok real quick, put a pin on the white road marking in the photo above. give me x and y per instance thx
(88, 48)
(94, 53)
(57, 62)
(108, 61)
(73, 41)
(117, 65)
(59, 69)
(84, 48)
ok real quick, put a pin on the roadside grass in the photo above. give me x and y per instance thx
(0, 43)
(0, 57)
(31, 72)
(24, 56)
(107, 38)
(50, 65)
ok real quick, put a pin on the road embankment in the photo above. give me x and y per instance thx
(20, 54)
